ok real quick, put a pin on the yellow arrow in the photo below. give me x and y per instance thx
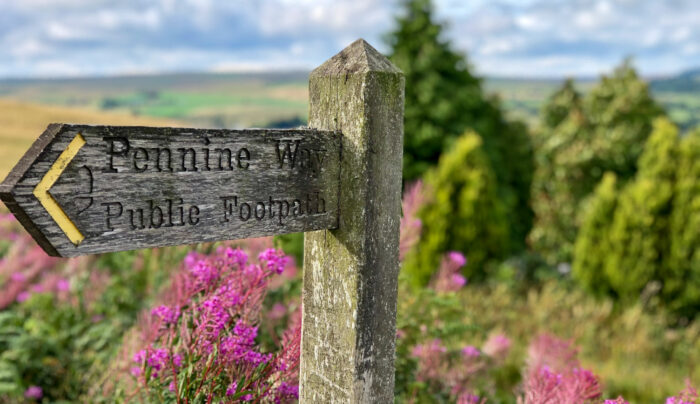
(41, 192)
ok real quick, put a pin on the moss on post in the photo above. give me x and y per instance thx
(350, 274)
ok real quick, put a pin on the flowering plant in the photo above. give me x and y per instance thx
(201, 343)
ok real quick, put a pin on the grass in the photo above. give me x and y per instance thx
(21, 123)
(632, 350)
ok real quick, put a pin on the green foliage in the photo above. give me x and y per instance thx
(63, 344)
(643, 239)
(424, 315)
(443, 100)
(633, 351)
(638, 235)
(580, 139)
(684, 230)
(293, 245)
(593, 244)
(442, 96)
(463, 213)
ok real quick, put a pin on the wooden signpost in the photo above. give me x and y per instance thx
(92, 189)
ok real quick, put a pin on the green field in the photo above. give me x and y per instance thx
(203, 100)
(281, 99)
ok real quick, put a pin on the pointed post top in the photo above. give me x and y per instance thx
(359, 57)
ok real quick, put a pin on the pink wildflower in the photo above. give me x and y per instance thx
(221, 296)
(619, 400)
(497, 346)
(214, 314)
(22, 296)
(166, 314)
(158, 359)
(135, 371)
(63, 285)
(275, 260)
(432, 360)
(204, 273)
(18, 277)
(231, 390)
(457, 258)
(554, 375)
(448, 277)
(33, 392)
(286, 392)
(191, 259)
(410, 226)
(556, 353)
(468, 398)
(471, 351)
(139, 356)
(277, 311)
(688, 396)
(459, 280)
(238, 256)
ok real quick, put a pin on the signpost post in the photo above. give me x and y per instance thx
(92, 189)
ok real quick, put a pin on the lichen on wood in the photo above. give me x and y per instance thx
(350, 274)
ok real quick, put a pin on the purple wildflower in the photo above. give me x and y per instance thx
(204, 273)
(459, 280)
(688, 396)
(448, 277)
(33, 392)
(166, 314)
(468, 398)
(158, 358)
(457, 258)
(191, 259)
(286, 392)
(238, 256)
(177, 360)
(471, 351)
(231, 390)
(140, 356)
(275, 260)
(63, 285)
(619, 400)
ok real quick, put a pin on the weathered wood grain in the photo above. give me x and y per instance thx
(350, 274)
(135, 187)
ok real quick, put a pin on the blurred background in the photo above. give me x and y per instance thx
(551, 176)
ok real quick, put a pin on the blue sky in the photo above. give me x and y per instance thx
(536, 38)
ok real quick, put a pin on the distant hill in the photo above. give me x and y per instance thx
(21, 123)
(685, 82)
(213, 100)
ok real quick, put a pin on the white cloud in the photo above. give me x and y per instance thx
(514, 37)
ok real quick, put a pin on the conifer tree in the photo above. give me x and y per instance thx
(593, 242)
(443, 100)
(603, 131)
(639, 238)
(463, 213)
(683, 284)
(646, 235)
